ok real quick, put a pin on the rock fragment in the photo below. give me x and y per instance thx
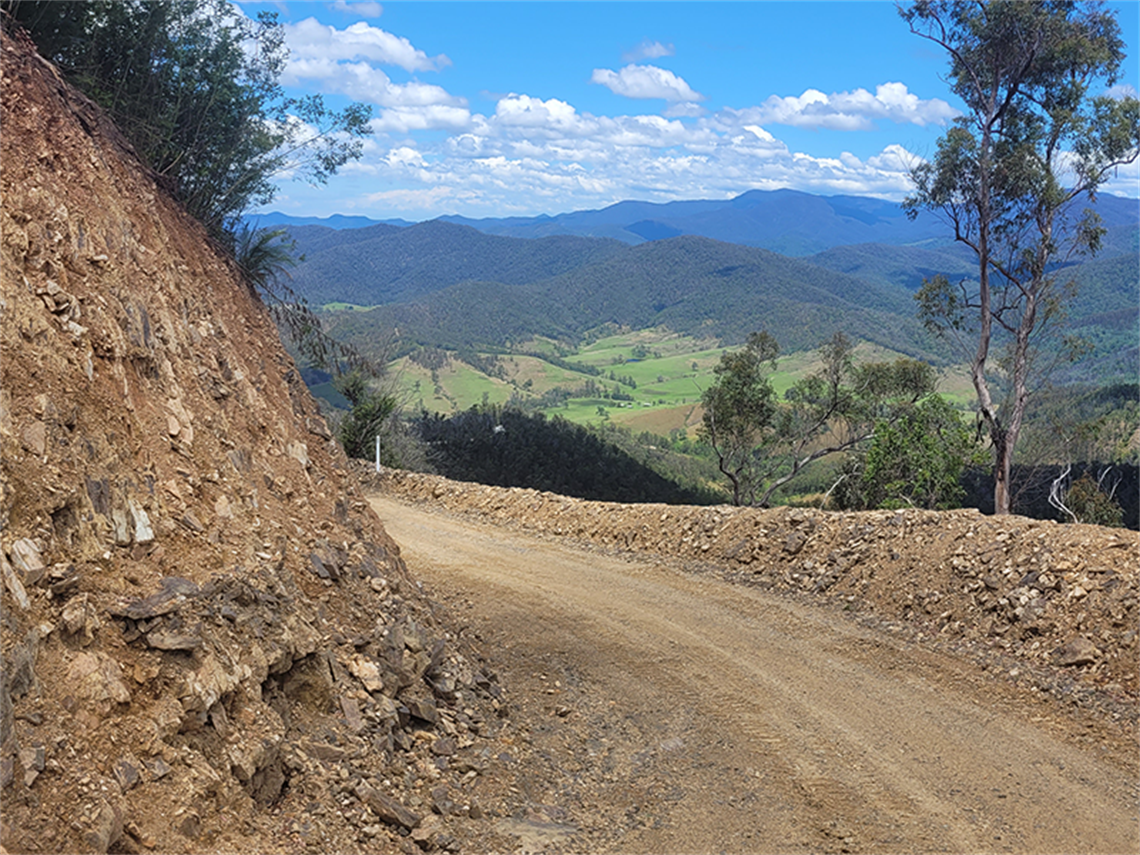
(97, 677)
(423, 709)
(444, 747)
(158, 768)
(168, 639)
(386, 808)
(13, 584)
(367, 672)
(32, 759)
(106, 829)
(79, 618)
(27, 559)
(173, 592)
(1077, 651)
(144, 533)
(126, 771)
(191, 522)
(35, 438)
(352, 714)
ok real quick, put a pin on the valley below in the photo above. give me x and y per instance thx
(663, 704)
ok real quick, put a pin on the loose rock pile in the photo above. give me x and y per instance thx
(1063, 596)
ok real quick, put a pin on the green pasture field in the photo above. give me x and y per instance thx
(541, 374)
(461, 386)
(668, 388)
(539, 344)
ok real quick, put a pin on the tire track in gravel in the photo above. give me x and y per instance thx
(881, 748)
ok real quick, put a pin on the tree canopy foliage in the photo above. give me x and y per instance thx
(194, 86)
(762, 443)
(915, 461)
(740, 406)
(371, 410)
(1087, 501)
(1010, 178)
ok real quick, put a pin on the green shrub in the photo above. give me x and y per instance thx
(916, 461)
(1090, 504)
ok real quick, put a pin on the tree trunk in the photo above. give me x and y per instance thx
(736, 498)
(1003, 458)
(978, 369)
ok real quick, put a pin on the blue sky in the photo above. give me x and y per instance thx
(519, 109)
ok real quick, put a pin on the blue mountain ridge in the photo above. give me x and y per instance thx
(789, 222)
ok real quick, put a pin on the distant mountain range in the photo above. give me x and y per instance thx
(336, 221)
(785, 221)
(789, 222)
(452, 285)
(385, 264)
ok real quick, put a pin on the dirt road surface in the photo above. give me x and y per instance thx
(671, 712)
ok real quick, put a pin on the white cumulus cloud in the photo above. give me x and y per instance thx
(497, 168)
(1121, 91)
(405, 119)
(362, 82)
(535, 155)
(853, 111)
(683, 110)
(550, 115)
(311, 39)
(646, 81)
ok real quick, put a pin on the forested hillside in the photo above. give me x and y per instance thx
(385, 264)
(692, 284)
(688, 284)
(898, 266)
(1106, 313)
(445, 285)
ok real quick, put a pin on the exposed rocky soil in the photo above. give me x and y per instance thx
(209, 642)
(1054, 606)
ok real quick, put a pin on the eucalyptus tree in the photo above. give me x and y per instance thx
(739, 411)
(762, 443)
(916, 461)
(1013, 177)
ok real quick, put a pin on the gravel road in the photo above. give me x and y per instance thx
(670, 711)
